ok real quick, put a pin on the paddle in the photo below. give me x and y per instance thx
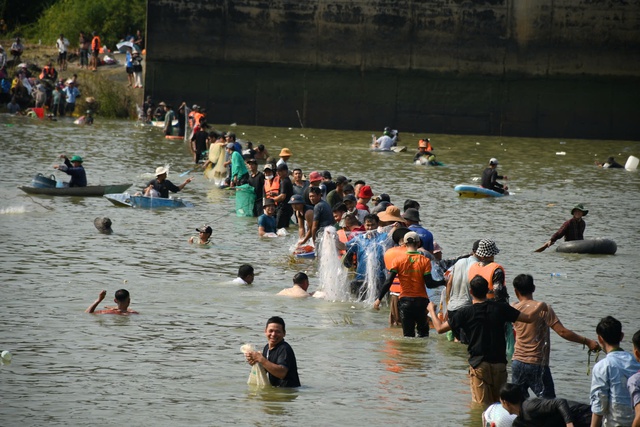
(542, 248)
(190, 170)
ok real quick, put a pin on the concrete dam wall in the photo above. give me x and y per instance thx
(543, 68)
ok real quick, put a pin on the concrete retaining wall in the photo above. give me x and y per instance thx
(499, 67)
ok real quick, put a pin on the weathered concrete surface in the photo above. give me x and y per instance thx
(566, 68)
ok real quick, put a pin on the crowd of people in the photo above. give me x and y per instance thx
(392, 252)
(22, 88)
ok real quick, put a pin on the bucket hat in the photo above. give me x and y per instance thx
(493, 161)
(161, 170)
(412, 214)
(103, 225)
(285, 152)
(365, 192)
(487, 248)
(581, 208)
(76, 158)
(315, 176)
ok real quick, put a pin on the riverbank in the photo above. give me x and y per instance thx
(108, 85)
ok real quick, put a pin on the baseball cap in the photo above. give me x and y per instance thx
(341, 179)
(296, 198)
(412, 237)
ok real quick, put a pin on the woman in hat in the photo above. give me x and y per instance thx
(74, 168)
(162, 185)
(572, 229)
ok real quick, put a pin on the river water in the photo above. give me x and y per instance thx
(179, 361)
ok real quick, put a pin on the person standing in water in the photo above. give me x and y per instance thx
(277, 357)
(122, 299)
(490, 178)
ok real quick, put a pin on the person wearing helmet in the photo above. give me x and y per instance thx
(387, 140)
(490, 178)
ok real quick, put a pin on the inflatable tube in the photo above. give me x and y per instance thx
(473, 191)
(589, 246)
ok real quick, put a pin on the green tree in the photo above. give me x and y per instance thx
(111, 19)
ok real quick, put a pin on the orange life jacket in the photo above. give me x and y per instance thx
(272, 188)
(485, 271)
(197, 117)
(95, 43)
(342, 236)
(47, 72)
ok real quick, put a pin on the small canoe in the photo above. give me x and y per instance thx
(588, 246)
(144, 202)
(88, 191)
(476, 192)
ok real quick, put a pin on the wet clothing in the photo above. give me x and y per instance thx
(572, 229)
(483, 324)
(257, 182)
(283, 355)
(267, 222)
(164, 187)
(414, 272)
(323, 214)
(633, 385)
(538, 412)
(169, 117)
(490, 179)
(284, 211)
(200, 139)
(78, 175)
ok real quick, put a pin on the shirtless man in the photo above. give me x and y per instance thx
(299, 288)
(122, 299)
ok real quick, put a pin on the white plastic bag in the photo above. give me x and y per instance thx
(258, 376)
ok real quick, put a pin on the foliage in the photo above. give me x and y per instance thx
(111, 19)
(113, 100)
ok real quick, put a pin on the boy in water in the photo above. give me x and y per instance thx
(121, 298)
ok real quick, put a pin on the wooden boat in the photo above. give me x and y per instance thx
(588, 246)
(476, 192)
(88, 191)
(144, 202)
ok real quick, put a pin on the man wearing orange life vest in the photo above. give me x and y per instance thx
(424, 149)
(95, 51)
(48, 72)
(490, 270)
(271, 183)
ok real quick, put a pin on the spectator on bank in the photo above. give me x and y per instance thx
(84, 43)
(71, 92)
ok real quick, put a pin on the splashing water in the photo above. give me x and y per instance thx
(333, 276)
(13, 210)
(369, 290)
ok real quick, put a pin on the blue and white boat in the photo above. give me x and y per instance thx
(144, 202)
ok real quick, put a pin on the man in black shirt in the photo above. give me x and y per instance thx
(277, 357)
(199, 142)
(284, 210)
(256, 180)
(483, 323)
(490, 178)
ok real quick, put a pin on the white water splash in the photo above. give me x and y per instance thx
(332, 275)
(11, 210)
(369, 290)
